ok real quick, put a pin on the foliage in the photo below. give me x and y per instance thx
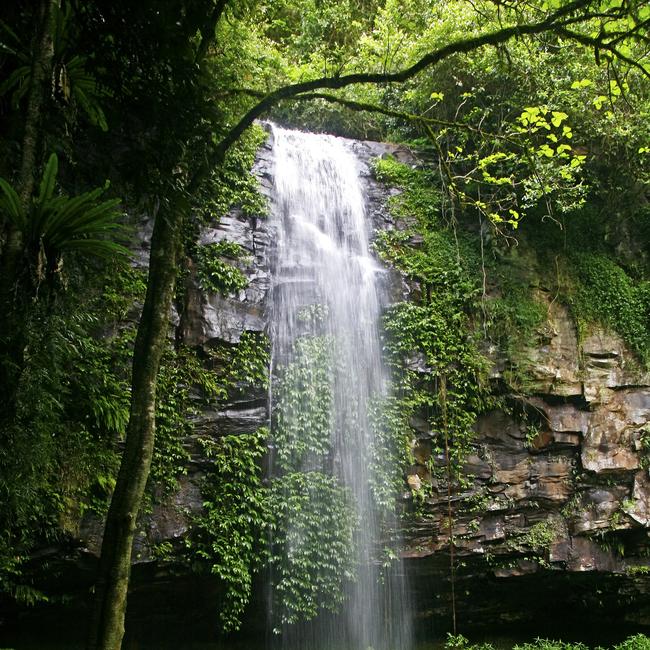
(304, 406)
(515, 317)
(241, 365)
(312, 525)
(249, 365)
(530, 163)
(171, 85)
(606, 294)
(185, 383)
(71, 405)
(181, 373)
(217, 275)
(421, 197)
(459, 642)
(390, 451)
(312, 522)
(233, 184)
(74, 87)
(228, 535)
(432, 339)
(538, 539)
(57, 224)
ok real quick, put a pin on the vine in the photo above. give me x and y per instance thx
(232, 183)
(304, 411)
(215, 273)
(313, 527)
(228, 537)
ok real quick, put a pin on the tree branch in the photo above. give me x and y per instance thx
(554, 22)
(598, 44)
(208, 30)
(375, 108)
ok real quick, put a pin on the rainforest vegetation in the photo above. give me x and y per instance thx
(530, 124)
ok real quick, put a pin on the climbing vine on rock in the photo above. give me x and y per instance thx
(312, 555)
(216, 267)
(304, 411)
(228, 537)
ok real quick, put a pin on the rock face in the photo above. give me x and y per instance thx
(556, 515)
(559, 487)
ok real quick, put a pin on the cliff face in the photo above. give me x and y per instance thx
(555, 522)
(555, 515)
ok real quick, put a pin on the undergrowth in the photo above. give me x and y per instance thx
(636, 642)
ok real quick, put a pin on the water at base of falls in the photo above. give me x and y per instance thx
(328, 380)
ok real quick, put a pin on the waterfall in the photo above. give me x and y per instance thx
(326, 307)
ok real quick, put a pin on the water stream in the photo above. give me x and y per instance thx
(327, 301)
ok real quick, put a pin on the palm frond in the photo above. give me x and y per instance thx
(10, 205)
(19, 78)
(102, 248)
(49, 179)
(56, 224)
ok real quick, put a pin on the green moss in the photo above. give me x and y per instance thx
(514, 320)
(604, 293)
(420, 199)
(537, 538)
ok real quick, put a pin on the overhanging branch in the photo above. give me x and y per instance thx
(558, 19)
(375, 108)
(600, 44)
(558, 22)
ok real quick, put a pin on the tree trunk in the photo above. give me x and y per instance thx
(107, 625)
(11, 324)
(40, 74)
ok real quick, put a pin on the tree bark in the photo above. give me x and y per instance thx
(11, 340)
(107, 626)
(40, 74)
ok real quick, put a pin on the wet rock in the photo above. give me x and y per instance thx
(639, 508)
(600, 509)
(609, 365)
(586, 555)
(554, 367)
(609, 442)
(518, 568)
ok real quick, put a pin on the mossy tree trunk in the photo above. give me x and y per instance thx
(11, 346)
(107, 626)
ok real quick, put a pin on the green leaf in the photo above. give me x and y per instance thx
(49, 179)
(11, 205)
(558, 117)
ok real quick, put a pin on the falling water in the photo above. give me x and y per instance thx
(327, 284)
